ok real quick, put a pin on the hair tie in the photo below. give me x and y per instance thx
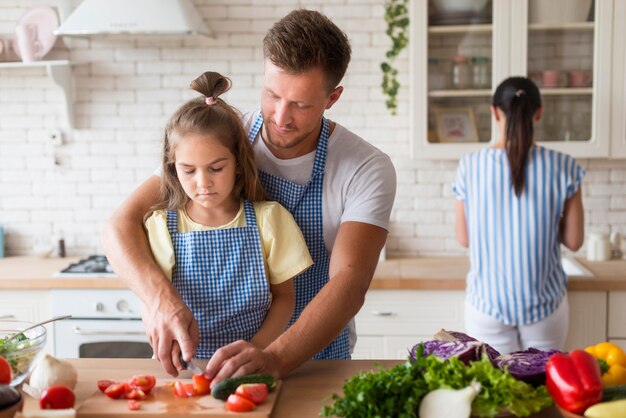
(210, 100)
(520, 92)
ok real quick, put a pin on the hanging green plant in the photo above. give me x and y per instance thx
(397, 19)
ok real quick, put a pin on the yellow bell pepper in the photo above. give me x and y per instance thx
(615, 357)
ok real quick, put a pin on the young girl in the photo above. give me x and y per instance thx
(229, 254)
(516, 203)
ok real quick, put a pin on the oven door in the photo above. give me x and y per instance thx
(109, 338)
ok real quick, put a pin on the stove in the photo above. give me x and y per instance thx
(92, 266)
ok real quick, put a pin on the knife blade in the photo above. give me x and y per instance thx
(191, 366)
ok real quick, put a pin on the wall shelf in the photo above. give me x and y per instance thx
(61, 74)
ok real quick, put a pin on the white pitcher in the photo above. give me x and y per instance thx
(598, 247)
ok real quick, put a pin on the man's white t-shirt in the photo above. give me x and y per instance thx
(359, 182)
(359, 179)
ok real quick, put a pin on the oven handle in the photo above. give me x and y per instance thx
(79, 331)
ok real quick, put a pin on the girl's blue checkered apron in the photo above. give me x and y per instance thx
(305, 204)
(221, 277)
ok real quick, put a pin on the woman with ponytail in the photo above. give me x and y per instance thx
(517, 202)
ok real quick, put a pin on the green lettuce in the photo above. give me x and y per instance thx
(397, 392)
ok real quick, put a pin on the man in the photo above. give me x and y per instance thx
(339, 188)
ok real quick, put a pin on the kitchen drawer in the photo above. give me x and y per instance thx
(410, 313)
(386, 347)
(587, 319)
(617, 315)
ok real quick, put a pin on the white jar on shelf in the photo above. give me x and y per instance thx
(461, 72)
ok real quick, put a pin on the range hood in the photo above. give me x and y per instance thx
(134, 17)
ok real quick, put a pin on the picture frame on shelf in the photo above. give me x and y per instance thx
(456, 124)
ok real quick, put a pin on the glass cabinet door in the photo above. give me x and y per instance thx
(561, 63)
(459, 68)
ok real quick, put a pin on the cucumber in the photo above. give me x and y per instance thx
(228, 386)
(613, 393)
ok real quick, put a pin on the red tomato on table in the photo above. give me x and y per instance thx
(255, 392)
(133, 405)
(5, 371)
(115, 390)
(57, 397)
(103, 384)
(236, 403)
(183, 390)
(201, 384)
(143, 382)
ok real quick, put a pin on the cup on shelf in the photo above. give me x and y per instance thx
(579, 78)
(550, 78)
(26, 39)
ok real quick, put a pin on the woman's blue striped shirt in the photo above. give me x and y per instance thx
(516, 274)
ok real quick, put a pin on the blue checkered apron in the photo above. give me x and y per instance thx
(221, 277)
(305, 204)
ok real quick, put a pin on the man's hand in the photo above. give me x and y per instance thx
(241, 358)
(171, 329)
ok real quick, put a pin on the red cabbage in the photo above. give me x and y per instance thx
(466, 351)
(445, 335)
(528, 365)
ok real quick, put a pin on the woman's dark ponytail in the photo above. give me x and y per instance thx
(519, 99)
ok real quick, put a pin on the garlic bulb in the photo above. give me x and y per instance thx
(449, 403)
(51, 371)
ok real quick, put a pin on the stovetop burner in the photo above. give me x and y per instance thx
(93, 266)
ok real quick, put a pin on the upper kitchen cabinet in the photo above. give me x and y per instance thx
(461, 50)
(618, 87)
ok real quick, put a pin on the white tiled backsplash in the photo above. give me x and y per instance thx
(126, 87)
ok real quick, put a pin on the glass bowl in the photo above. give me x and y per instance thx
(23, 351)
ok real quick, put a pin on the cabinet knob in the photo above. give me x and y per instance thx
(123, 306)
(383, 313)
(99, 307)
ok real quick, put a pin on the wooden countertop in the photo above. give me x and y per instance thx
(303, 393)
(423, 273)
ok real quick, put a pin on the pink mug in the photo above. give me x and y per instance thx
(550, 78)
(579, 78)
(27, 43)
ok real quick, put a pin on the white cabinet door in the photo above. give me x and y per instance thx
(28, 305)
(391, 322)
(617, 315)
(587, 319)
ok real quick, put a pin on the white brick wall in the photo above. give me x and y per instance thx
(126, 87)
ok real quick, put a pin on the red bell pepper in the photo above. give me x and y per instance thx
(574, 381)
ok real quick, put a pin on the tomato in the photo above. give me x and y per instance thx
(142, 382)
(255, 392)
(105, 383)
(57, 397)
(236, 403)
(115, 390)
(5, 371)
(133, 405)
(201, 384)
(183, 390)
(135, 394)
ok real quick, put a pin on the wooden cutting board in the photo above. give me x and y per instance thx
(162, 403)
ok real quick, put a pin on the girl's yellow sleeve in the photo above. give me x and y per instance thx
(285, 249)
(160, 241)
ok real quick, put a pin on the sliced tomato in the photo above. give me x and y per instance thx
(115, 390)
(133, 405)
(105, 383)
(143, 382)
(236, 403)
(5, 371)
(57, 397)
(255, 392)
(135, 394)
(201, 384)
(184, 390)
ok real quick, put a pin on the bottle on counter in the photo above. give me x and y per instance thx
(461, 72)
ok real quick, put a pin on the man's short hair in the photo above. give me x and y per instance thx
(305, 39)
